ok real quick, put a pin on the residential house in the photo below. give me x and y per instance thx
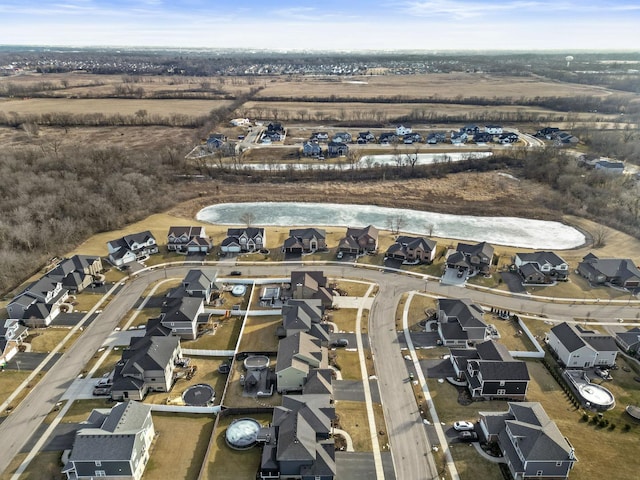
(493, 129)
(461, 322)
(403, 130)
(199, 283)
(342, 137)
(491, 372)
(240, 122)
(629, 341)
(77, 273)
(366, 137)
(305, 315)
(473, 257)
(615, 272)
(147, 365)
(137, 246)
(112, 443)
(216, 141)
(565, 139)
(541, 267)
(188, 240)
(241, 240)
(530, 442)
(275, 127)
(412, 249)
(412, 138)
(305, 240)
(358, 241)
(12, 334)
(298, 442)
(319, 136)
(458, 138)
(548, 133)
(311, 149)
(337, 149)
(272, 136)
(483, 137)
(436, 137)
(298, 355)
(311, 285)
(181, 316)
(39, 303)
(507, 138)
(470, 129)
(387, 138)
(607, 166)
(578, 348)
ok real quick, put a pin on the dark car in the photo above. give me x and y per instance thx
(235, 273)
(468, 436)
(340, 342)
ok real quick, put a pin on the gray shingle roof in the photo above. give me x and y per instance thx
(541, 258)
(568, 336)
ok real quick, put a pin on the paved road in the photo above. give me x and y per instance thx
(407, 437)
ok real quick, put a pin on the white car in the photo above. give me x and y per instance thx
(463, 426)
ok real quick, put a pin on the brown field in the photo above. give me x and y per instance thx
(446, 85)
(187, 434)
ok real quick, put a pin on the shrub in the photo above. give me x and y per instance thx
(626, 427)
(612, 426)
(585, 417)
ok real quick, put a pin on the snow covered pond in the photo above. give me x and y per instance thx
(517, 232)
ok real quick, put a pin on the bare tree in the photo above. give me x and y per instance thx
(430, 227)
(248, 218)
(600, 237)
(395, 223)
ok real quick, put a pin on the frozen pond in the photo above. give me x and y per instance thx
(517, 232)
(368, 161)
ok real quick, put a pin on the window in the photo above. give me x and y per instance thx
(501, 391)
(539, 473)
(502, 383)
(558, 464)
(100, 473)
(98, 463)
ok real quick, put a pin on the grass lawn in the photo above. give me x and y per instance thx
(471, 466)
(80, 409)
(86, 300)
(187, 434)
(353, 418)
(353, 289)
(224, 336)
(207, 373)
(344, 318)
(510, 335)
(163, 287)
(417, 311)
(577, 287)
(259, 334)
(44, 340)
(106, 366)
(9, 381)
(348, 363)
(141, 317)
(44, 466)
(599, 450)
(429, 353)
(539, 328)
(381, 427)
(225, 463)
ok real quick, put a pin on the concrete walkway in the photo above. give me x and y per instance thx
(353, 302)
(373, 431)
(347, 437)
(444, 444)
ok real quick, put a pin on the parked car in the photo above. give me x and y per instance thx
(340, 342)
(235, 273)
(340, 255)
(101, 391)
(468, 436)
(463, 425)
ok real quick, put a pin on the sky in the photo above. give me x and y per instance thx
(346, 25)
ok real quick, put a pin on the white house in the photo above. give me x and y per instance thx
(578, 348)
(129, 248)
(240, 122)
(403, 130)
(548, 263)
(493, 129)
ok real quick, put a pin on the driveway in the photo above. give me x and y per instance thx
(30, 360)
(437, 368)
(360, 466)
(513, 281)
(450, 277)
(353, 391)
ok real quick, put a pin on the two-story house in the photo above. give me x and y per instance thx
(461, 322)
(304, 315)
(358, 241)
(305, 240)
(530, 442)
(309, 285)
(491, 373)
(112, 443)
(181, 316)
(541, 267)
(137, 246)
(188, 240)
(472, 257)
(243, 240)
(412, 249)
(298, 354)
(39, 303)
(579, 348)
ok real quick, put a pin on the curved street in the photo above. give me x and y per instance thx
(409, 444)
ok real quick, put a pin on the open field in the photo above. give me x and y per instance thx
(225, 463)
(111, 106)
(187, 434)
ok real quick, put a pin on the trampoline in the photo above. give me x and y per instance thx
(198, 395)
